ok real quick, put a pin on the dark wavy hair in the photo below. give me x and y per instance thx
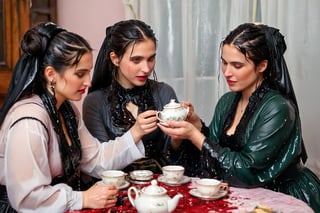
(118, 38)
(46, 44)
(260, 42)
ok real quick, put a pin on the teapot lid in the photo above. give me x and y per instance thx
(154, 188)
(172, 104)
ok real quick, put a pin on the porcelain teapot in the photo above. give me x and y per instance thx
(153, 199)
(172, 111)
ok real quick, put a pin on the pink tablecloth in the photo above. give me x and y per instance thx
(247, 199)
(238, 200)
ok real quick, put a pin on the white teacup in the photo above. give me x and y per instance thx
(173, 173)
(210, 187)
(113, 177)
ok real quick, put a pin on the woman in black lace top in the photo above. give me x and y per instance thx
(122, 95)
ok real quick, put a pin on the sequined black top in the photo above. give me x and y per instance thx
(106, 117)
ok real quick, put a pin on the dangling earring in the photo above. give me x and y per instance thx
(114, 72)
(52, 83)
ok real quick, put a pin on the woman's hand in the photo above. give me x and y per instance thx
(192, 117)
(146, 122)
(100, 196)
(179, 130)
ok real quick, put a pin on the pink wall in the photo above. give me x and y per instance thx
(89, 18)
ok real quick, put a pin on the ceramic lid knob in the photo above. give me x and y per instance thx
(154, 188)
(172, 104)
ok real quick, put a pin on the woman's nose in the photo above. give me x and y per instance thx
(87, 81)
(227, 71)
(146, 67)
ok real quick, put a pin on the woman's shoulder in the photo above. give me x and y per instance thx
(34, 103)
(162, 92)
(162, 86)
(275, 99)
(97, 94)
(95, 99)
(271, 96)
(274, 103)
(31, 107)
(227, 97)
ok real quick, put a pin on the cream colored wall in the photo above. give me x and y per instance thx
(89, 18)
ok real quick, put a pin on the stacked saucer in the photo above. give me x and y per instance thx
(185, 179)
(122, 186)
(140, 176)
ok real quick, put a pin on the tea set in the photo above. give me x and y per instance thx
(172, 111)
(209, 189)
(153, 197)
(114, 177)
(173, 175)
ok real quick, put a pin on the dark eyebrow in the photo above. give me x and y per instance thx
(139, 56)
(154, 55)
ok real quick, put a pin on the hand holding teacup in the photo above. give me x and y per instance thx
(113, 177)
(100, 196)
(209, 187)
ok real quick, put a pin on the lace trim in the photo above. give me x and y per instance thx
(236, 141)
(119, 97)
(70, 154)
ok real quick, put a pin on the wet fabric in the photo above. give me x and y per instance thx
(39, 159)
(267, 152)
(5, 206)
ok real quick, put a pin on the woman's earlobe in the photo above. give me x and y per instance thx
(114, 58)
(50, 73)
(263, 66)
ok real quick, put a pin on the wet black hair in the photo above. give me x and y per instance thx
(118, 38)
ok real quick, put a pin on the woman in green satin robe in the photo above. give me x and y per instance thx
(255, 137)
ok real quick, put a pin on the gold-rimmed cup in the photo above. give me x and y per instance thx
(113, 177)
(209, 187)
(173, 174)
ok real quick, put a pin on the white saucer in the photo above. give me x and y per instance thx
(139, 181)
(123, 186)
(185, 179)
(197, 194)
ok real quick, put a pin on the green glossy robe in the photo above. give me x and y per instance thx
(269, 154)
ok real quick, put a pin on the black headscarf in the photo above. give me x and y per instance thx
(26, 71)
(278, 67)
(279, 71)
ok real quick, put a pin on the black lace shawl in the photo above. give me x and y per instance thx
(236, 141)
(119, 97)
(210, 165)
(70, 154)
